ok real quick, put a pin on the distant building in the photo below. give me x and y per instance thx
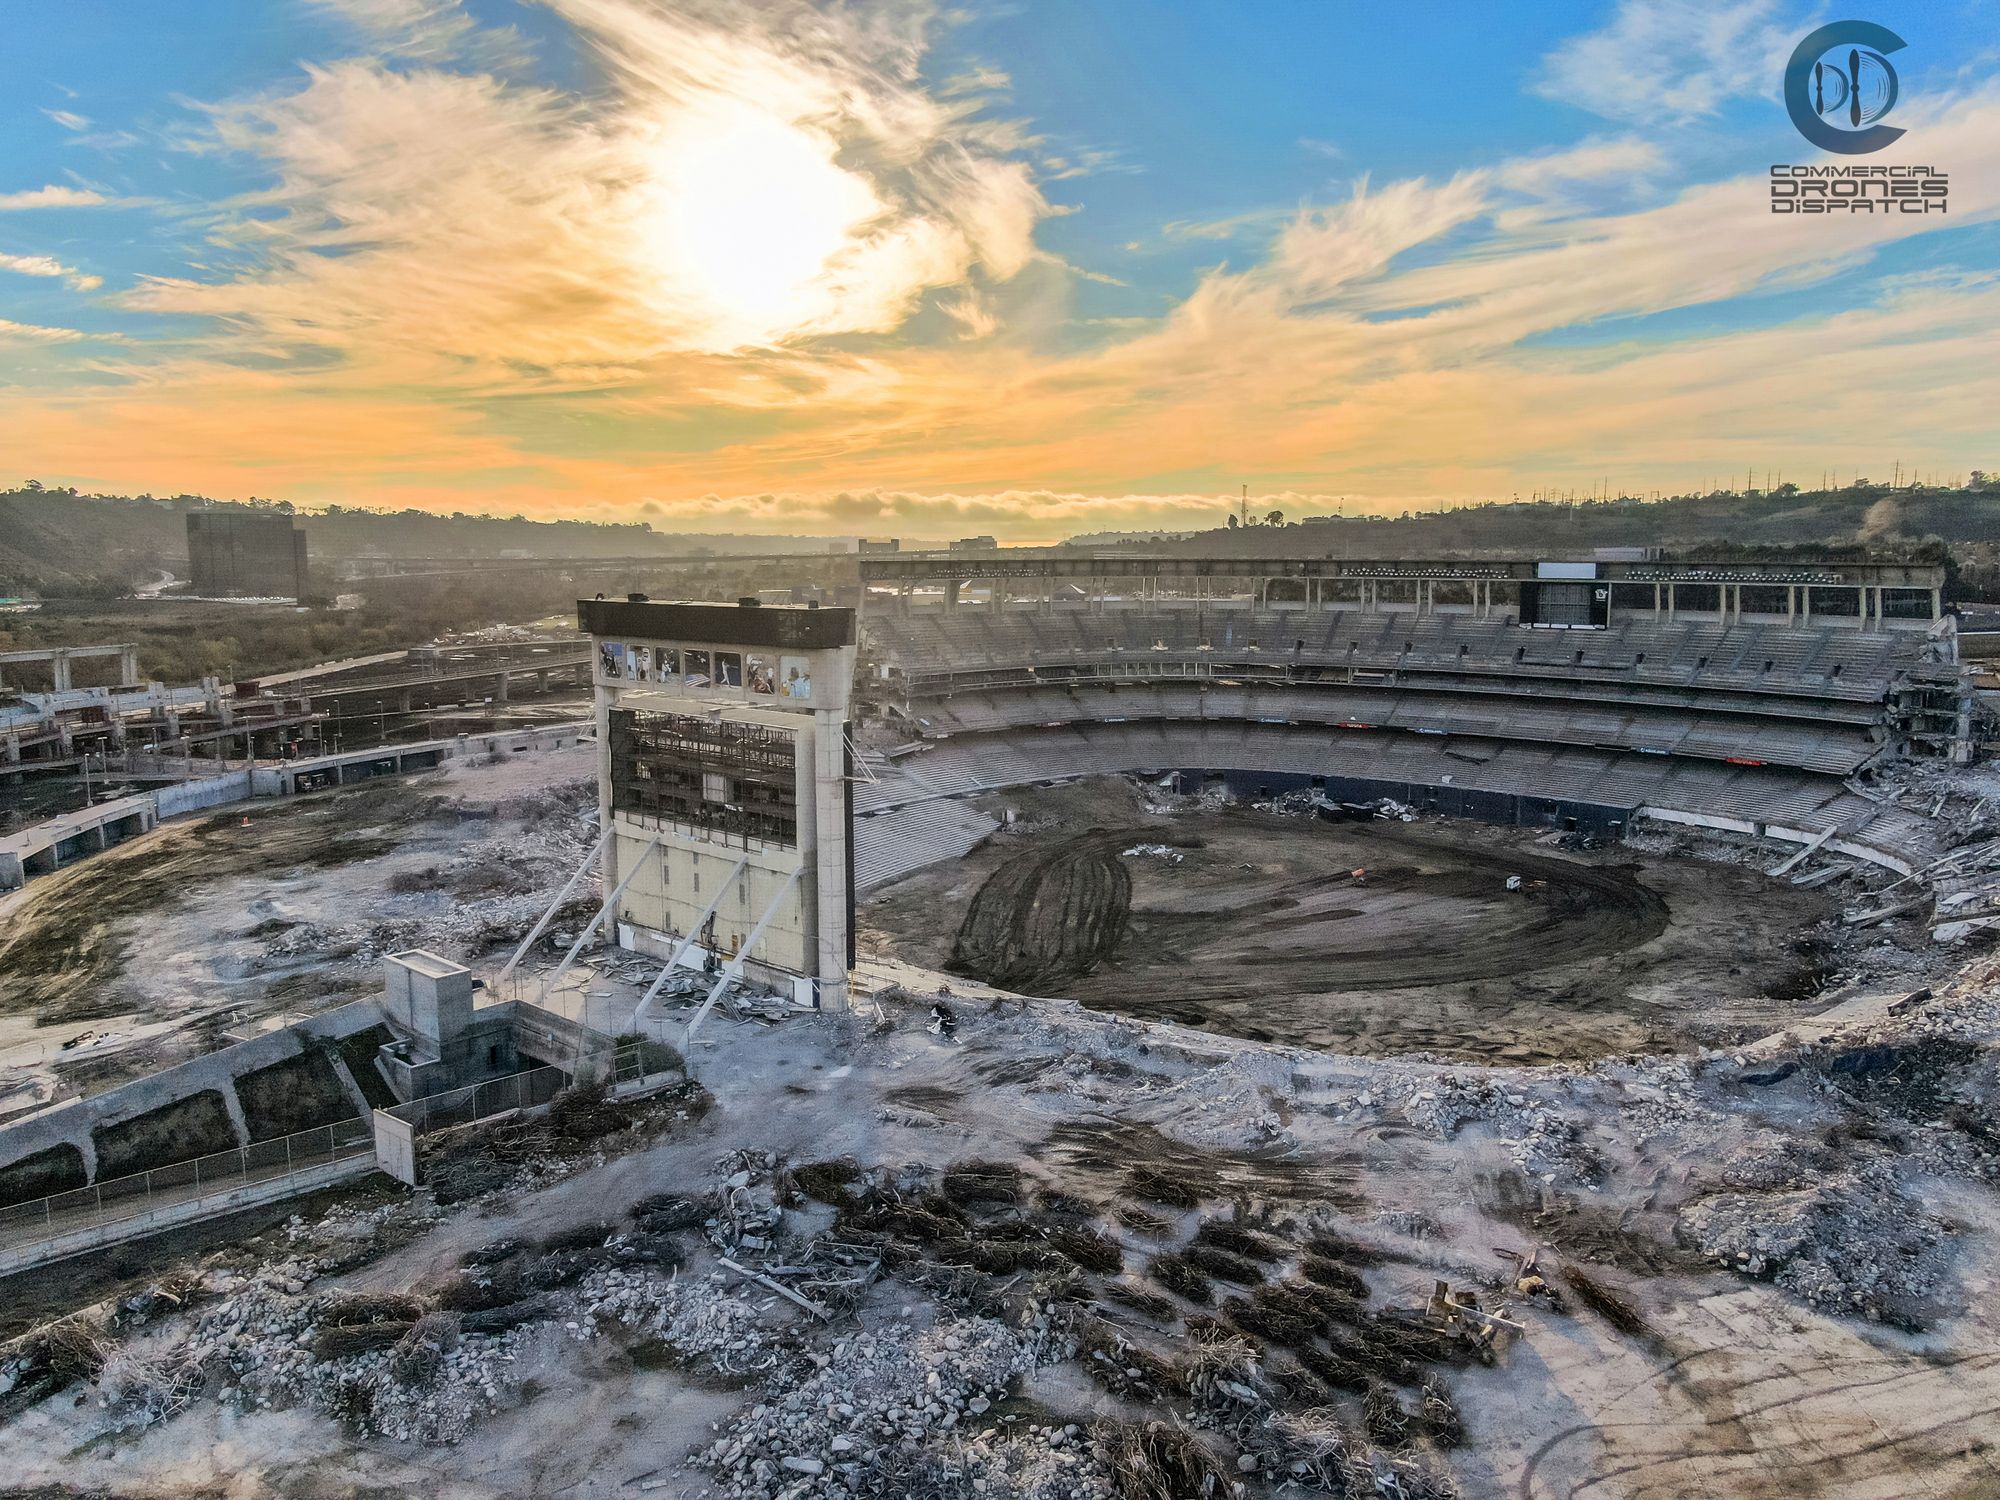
(974, 544)
(257, 554)
(890, 544)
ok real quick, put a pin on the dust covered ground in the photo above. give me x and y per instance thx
(1067, 1255)
(1253, 922)
(149, 952)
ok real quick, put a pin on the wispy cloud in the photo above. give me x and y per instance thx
(48, 266)
(52, 196)
(1663, 62)
(432, 31)
(741, 187)
(68, 119)
(29, 333)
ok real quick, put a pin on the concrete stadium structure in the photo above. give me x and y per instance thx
(1741, 695)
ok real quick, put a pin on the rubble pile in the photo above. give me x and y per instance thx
(1853, 1243)
(880, 1408)
(257, 1348)
(1303, 803)
(698, 1321)
(1544, 1143)
(1660, 1097)
(488, 890)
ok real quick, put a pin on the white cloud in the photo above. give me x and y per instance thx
(1666, 62)
(52, 196)
(1590, 161)
(429, 31)
(29, 333)
(744, 186)
(68, 119)
(48, 266)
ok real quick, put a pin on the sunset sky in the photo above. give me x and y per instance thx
(1023, 267)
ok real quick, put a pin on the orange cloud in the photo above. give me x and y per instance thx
(765, 280)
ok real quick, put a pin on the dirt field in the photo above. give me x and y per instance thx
(1256, 924)
(148, 950)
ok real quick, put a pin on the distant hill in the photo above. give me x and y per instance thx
(58, 541)
(1864, 516)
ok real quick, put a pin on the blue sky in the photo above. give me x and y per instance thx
(1034, 266)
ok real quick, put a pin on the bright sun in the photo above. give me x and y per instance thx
(748, 215)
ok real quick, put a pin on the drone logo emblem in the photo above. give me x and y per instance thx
(1840, 83)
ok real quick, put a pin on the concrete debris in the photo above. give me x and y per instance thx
(487, 892)
(1853, 1244)
(700, 1321)
(257, 1346)
(1165, 852)
(901, 1409)
(1544, 1143)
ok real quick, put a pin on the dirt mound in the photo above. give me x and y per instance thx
(1050, 915)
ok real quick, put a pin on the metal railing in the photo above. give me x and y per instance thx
(478, 1101)
(142, 1193)
(643, 1061)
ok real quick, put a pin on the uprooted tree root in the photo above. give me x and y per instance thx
(1233, 1239)
(826, 1181)
(1181, 1277)
(1223, 1266)
(1152, 1185)
(1329, 1246)
(1157, 1461)
(975, 1183)
(1331, 1273)
(1607, 1304)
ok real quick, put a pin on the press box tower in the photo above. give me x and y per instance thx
(723, 785)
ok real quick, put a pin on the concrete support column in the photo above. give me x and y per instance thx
(59, 668)
(1672, 601)
(1937, 604)
(501, 689)
(607, 859)
(951, 590)
(830, 818)
(128, 665)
